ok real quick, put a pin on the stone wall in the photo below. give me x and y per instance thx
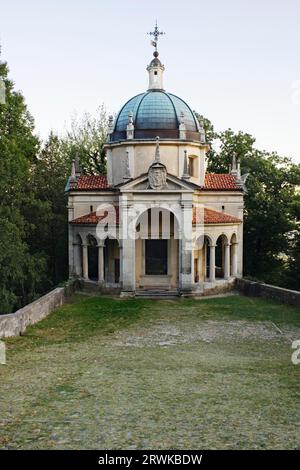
(259, 289)
(14, 324)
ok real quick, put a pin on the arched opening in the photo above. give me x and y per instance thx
(111, 261)
(156, 249)
(92, 258)
(206, 247)
(220, 257)
(78, 256)
(233, 255)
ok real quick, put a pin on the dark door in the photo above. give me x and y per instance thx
(93, 262)
(117, 271)
(156, 257)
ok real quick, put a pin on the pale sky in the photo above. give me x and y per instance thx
(235, 61)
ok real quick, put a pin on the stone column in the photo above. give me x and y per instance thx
(85, 262)
(199, 265)
(227, 261)
(128, 267)
(100, 263)
(186, 249)
(212, 263)
(127, 230)
(71, 241)
(121, 261)
(234, 260)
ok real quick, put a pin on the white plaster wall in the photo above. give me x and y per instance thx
(81, 202)
(141, 156)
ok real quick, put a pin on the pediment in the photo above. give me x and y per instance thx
(142, 183)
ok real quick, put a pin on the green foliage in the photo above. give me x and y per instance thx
(271, 250)
(86, 140)
(49, 211)
(20, 274)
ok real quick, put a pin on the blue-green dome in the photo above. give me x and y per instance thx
(156, 113)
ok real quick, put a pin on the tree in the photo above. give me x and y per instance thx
(86, 139)
(20, 274)
(271, 186)
(48, 209)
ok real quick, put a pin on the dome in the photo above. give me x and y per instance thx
(156, 113)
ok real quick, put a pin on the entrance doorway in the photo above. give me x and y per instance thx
(156, 252)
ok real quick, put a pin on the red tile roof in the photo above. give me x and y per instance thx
(213, 182)
(213, 217)
(210, 217)
(220, 182)
(90, 182)
(94, 217)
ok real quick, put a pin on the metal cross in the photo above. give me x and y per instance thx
(156, 33)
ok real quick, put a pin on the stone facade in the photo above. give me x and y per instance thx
(156, 177)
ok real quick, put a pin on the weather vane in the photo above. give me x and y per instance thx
(156, 33)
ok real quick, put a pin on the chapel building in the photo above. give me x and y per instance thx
(157, 222)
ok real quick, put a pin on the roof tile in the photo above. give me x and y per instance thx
(213, 217)
(90, 182)
(94, 217)
(210, 217)
(220, 182)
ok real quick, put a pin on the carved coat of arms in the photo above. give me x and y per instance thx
(157, 176)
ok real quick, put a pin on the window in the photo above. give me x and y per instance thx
(191, 166)
(155, 73)
(156, 257)
(91, 208)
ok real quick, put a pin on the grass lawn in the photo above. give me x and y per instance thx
(114, 374)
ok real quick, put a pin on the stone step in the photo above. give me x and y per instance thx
(157, 294)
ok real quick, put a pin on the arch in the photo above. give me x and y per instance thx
(157, 248)
(233, 238)
(206, 246)
(233, 255)
(221, 242)
(92, 257)
(78, 255)
(160, 216)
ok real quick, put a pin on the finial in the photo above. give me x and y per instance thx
(110, 121)
(202, 130)
(77, 166)
(110, 129)
(155, 33)
(73, 172)
(233, 166)
(157, 153)
(185, 175)
(182, 127)
(130, 117)
(130, 126)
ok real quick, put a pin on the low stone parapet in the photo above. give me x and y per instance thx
(259, 289)
(15, 324)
